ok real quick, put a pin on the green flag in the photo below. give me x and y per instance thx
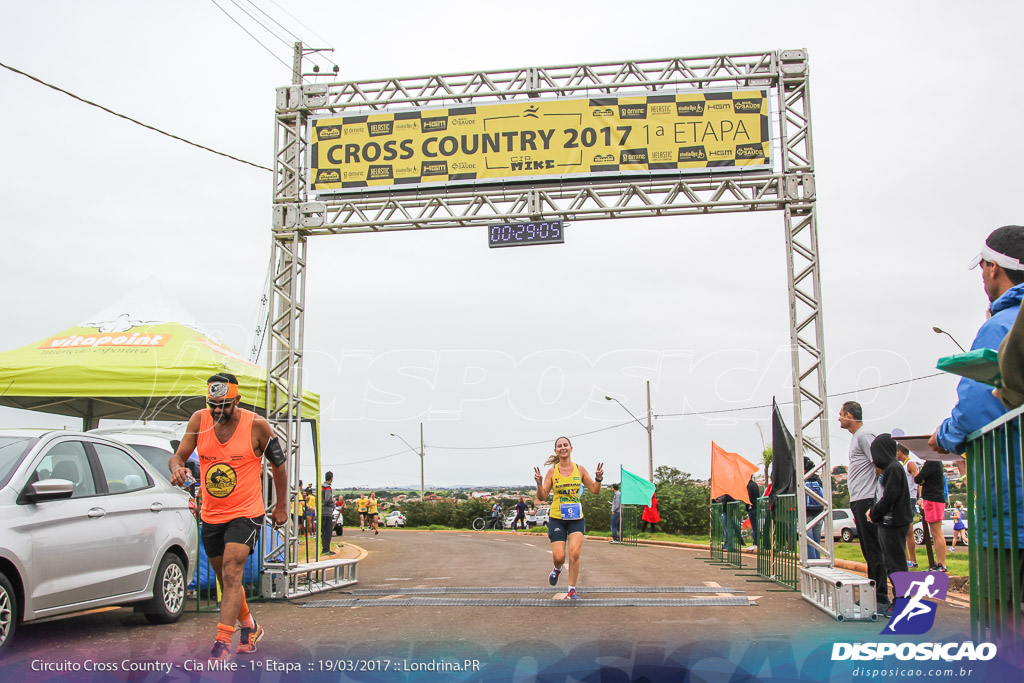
(635, 490)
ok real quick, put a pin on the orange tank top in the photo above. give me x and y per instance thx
(230, 472)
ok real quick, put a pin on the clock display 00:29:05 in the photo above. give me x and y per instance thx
(522, 234)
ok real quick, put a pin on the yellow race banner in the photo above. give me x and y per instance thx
(538, 140)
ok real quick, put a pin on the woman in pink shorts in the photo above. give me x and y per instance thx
(933, 503)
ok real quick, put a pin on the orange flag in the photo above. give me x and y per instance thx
(730, 473)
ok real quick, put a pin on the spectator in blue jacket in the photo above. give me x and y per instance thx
(1002, 274)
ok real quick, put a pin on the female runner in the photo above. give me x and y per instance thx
(565, 520)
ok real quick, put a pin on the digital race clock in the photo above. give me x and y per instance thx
(525, 234)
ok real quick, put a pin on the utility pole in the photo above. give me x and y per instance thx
(650, 435)
(421, 462)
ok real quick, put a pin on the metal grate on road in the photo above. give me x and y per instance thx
(533, 590)
(537, 602)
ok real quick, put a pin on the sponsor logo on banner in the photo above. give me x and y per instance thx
(80, 341)
(749, 152)
(435, 168)
(690, 108)
(380, 172)
(604, 158)
(606, 111)
(747, 106)
(633, 111)
(328, 175)
(633, 156)
(914, 614)
(328, 133)
(378, 128)
(696, 153)
(435, 125)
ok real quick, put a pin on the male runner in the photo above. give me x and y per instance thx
(231, 443)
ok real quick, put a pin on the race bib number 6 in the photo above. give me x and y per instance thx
(571, 511)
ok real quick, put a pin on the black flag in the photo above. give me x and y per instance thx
(783, 472)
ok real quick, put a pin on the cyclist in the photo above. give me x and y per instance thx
(566, 524)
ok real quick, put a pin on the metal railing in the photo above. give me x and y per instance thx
(785, 558)
(207, 592)
(717, 532)
(764, 538)
(734, 514)
(995, 511)
(630, 524)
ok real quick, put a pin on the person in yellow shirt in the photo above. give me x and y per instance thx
(565, 519)
(362, 503)
(371, 512)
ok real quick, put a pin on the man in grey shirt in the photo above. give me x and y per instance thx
(616, 512)
(861, 479)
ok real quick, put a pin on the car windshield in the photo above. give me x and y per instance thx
(12, 450)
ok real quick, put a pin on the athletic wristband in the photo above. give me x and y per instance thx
(599, 480)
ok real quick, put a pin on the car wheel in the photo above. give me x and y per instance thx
(8, 613)
(918, 537)
(168, 592)
(847, 535)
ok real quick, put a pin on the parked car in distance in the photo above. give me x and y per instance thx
(947, 526)
(88, 523)
(541, 518)
(843, 525)
(395, 518)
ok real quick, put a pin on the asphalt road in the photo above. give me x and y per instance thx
(776, 631)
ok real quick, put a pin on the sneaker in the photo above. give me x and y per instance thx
(221, 652)
(952, 550)
(911, 565)
(553, 578)
(328, 552)
(751, 547)
(573, 595)
(613, 541)
(250, 636)
(887, 612)
(942, 568)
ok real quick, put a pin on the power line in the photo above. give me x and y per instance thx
(533, 443)
(784, 403)
(325, 41)
(288, 66)
(128, 118)
(260, 23)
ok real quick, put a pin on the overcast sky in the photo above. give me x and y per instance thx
(915, 112)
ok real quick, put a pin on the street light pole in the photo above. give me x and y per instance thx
(939, 330)
(649, 428)
(650, 435)
(413, 449)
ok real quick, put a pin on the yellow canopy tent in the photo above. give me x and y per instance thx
(135, 361)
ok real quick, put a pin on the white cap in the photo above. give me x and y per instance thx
(988, 254)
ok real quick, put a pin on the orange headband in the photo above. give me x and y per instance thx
(221, 391)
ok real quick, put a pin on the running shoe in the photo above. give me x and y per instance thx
(221, 652)
(553, 578)
(911, 565)
(573, 595)
(952, 550)
(887, 612)
(250, 636)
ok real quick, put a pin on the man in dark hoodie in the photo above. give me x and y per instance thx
(891, 511)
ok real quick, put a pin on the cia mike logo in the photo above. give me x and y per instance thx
(913, 614)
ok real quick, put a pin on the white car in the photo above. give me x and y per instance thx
(155, 444)
(843, 525)
(541, 517)
(947, 526)
(395, 518)
(88, 523)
